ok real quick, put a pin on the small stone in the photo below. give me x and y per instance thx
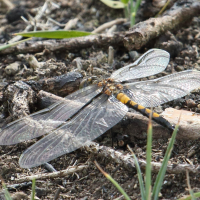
(77, 63)
(134, 55)
(190, 37)
(187, 58)
(53, 67)
(198, 106)
(40, 192)
(101, 58)
(71, 56)
(179, 61)
(13, 68)
(196, 66)
(125, 57)
(32, 62)
(19, 195)
(179, 68)
(190, 103)
(158, 109)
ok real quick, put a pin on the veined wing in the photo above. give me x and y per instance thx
(164, 89)
(152, 62)
(96, 118)
(46, 120)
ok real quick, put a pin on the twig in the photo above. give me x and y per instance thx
(61, 173)
(128, 162)
(9, 4)
(57, 193)
(110, 55)
(144, 32)
(72, 44)
(108, 25)
(55, 22)
(112, 29)
(137, 37)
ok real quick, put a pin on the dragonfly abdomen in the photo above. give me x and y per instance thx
(145, 111)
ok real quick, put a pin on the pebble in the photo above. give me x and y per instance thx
(13, 68)
(134, 55)
(158, 109)
(179, 61)
(19, 195)
(32, 61)
(196, 66)
(179, 68)
(190, 103)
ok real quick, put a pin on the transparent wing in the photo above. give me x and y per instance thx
(46, 120)
(152, 62)
(164, 89)
(91, 122)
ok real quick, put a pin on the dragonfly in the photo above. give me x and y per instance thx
(89, 112)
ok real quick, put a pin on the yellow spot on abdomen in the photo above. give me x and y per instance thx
(123, 98)
(154, 114)
(140, 107)
(147, 110)
(133, 103)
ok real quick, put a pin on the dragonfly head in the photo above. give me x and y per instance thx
(110, 88)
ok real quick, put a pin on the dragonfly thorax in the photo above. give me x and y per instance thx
(110, 87)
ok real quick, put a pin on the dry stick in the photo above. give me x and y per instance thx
(57, 193)
(68, 44)
(128, 162)
(144, 32)
(140, 34)
(111, 52)
(57, 174)
(109, 24)
(9, 4)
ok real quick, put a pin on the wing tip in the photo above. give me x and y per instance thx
(26, 164)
